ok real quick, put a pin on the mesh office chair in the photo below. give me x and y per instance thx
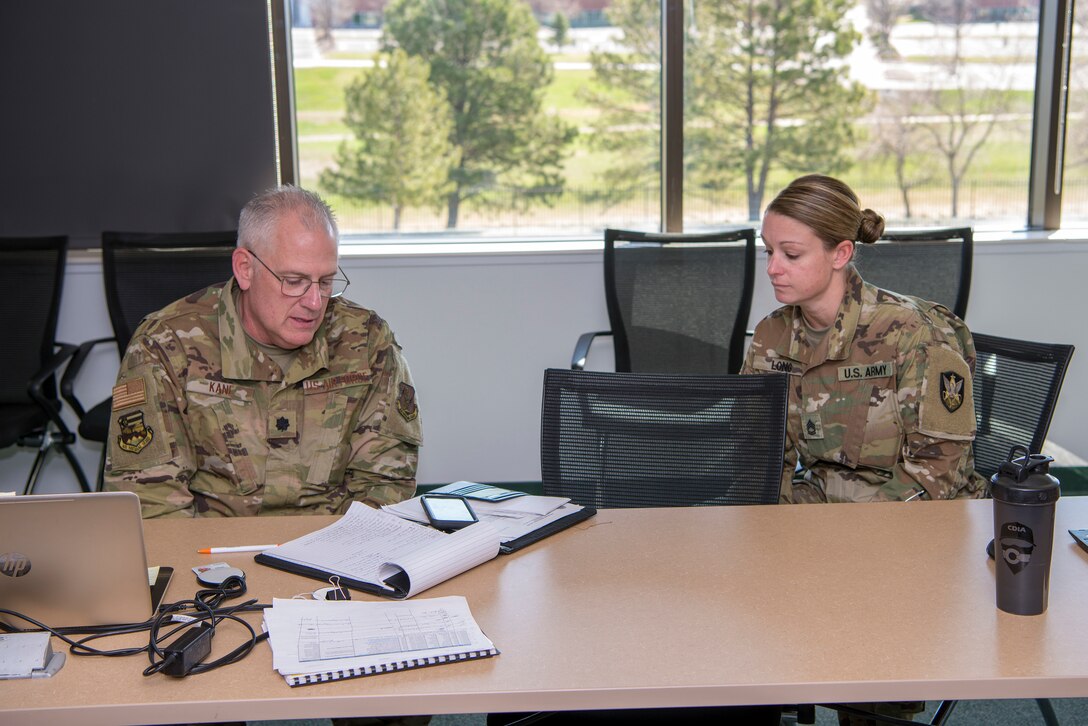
(649, 440)
(32, 270)
(677, 303)
(933, 264)
(1015, 387)
(143, 273)
(655, 440)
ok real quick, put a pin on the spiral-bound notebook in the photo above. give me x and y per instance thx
(317, 641)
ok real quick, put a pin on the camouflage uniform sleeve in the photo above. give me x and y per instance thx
(938, 420)
(385, 442)
(148, 448)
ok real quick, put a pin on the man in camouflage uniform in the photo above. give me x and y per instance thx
(267, 394)
(880, 405)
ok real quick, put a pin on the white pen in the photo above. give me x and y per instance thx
(243, 548)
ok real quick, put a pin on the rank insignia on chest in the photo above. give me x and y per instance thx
(282, 426)
(951, 390)
(134, 436)
(406, 402)
(812, 425)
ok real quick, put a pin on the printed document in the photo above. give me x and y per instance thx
(335, 639)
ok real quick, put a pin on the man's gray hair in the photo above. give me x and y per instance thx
(257, 222)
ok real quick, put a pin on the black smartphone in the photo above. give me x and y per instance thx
(447, 512)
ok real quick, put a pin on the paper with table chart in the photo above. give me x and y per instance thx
(379, 552)
(314, 641)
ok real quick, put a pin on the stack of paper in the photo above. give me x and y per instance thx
(315, 641)
(512, 514)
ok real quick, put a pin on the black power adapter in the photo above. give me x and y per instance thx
(188, 650)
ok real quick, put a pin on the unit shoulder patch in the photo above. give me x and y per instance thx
(946, 408)
(406, 402)
(134, 434)
(951, 390)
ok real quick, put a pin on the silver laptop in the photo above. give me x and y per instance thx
(76, 559)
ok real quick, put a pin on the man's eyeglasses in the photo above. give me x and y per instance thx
(293, 286)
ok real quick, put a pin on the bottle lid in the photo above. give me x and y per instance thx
(1025, 479)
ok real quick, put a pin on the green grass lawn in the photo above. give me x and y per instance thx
(320, 107)
(322, 89)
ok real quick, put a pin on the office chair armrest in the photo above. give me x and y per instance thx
(67, 382)
(581, 349)
(34, 386)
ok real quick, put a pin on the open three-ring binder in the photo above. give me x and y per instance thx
(383, 553)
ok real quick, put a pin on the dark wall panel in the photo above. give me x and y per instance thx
(140, 115)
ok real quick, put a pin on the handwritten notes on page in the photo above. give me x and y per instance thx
(371, 546)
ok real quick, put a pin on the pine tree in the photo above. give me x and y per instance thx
(401, 154)
(766, 88)
(485, 58)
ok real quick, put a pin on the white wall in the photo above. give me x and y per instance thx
(479, 327)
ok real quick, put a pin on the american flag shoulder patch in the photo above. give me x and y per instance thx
(129, 393)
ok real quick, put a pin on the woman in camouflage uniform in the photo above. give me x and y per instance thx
(880, 398)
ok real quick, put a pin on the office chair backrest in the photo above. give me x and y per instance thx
(1015, 387)
(656, 440)
(146, 272)
(933, 264)
(32, 273)
(679, 303)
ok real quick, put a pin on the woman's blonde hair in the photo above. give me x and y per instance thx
(830, 208)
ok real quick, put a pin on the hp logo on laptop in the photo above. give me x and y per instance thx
(14, 564)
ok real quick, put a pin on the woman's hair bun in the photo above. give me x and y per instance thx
(872, 226)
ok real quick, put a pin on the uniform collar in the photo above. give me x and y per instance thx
(841, 334)
(242, 360)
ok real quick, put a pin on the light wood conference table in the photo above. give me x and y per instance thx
(651, 607)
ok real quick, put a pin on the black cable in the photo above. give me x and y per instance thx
(205, 607)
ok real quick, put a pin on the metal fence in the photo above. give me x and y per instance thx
(982, 203)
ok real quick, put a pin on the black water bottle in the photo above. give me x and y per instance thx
(1025, 495)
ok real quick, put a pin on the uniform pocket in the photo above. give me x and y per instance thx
(883, 433)
(849, 415)
(328, 419)
(225, 434)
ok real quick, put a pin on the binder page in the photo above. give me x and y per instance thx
(512, 518)
(438, 561)
(358, 543)
(312, 636)
(524, 506)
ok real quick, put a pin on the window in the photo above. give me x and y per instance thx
(522, 131)
(548, 124)
(1075, 177)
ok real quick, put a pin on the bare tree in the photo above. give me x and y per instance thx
(326, 15)
(898, 139)
(883, 15)
(962, 104)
